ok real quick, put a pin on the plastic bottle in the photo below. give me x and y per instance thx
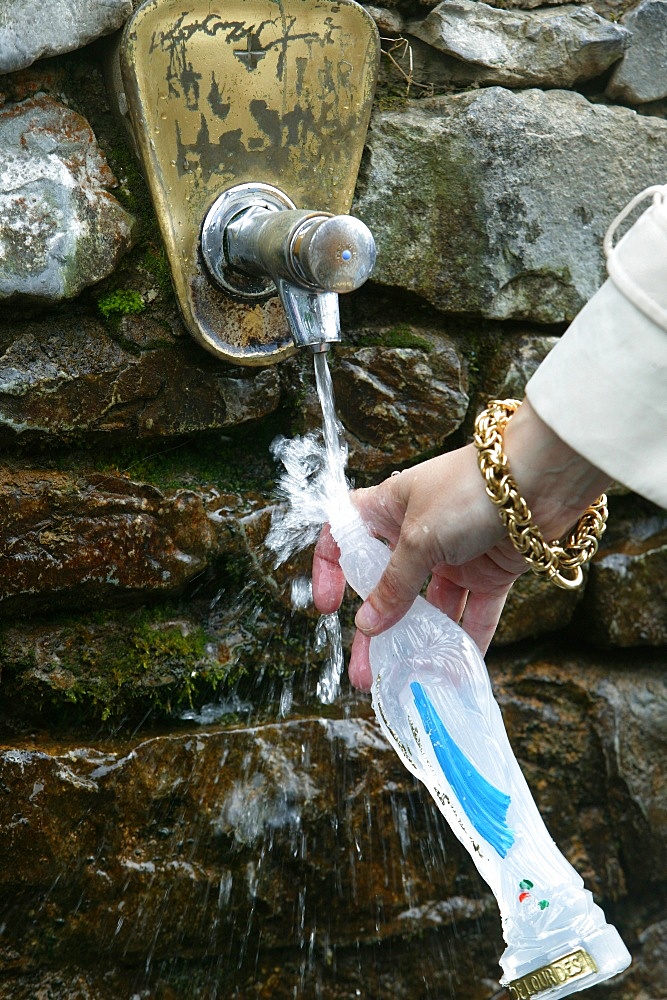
(433, 699)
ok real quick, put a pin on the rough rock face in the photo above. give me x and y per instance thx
(496, 203)
(125, 663)
(626, 596)
(398, 402)
(62, 376)
(605, 8)
(239, 844)
(508, 368)
(394, 402)
(60, 228)
(535, 607)
(82, 541)
(29, 31)
(641, 77)
(99, 539)
(552, 47)
(218, 858)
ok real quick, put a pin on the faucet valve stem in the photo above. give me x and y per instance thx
(332, 253)
(253, 235)
(255, 242)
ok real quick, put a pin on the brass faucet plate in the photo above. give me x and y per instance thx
(236, 91)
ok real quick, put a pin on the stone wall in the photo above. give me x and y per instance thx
(136, 488)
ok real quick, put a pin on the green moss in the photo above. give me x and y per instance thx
(239, 461)
(390, 102)
(401, 335)
(473, 363)
(120, 302)
(148, 254)
(115, 665)
(133, 192)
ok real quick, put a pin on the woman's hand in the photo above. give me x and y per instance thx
(438, 520)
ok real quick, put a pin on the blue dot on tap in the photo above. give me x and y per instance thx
(346, 254)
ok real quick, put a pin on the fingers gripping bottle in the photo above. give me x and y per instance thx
(433, 699)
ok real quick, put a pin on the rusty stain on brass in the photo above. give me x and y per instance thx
(274, 91)
(261, 331)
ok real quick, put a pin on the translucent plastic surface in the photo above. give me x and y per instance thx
(433, 699)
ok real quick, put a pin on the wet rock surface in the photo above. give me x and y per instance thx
(515, 192)
(396, 403)
(67, 375)
(550, 47)
(398, 390)
(534, 607)
(229, 847)
(124, 663)
(60, 228)
(198, 844)
(98, 539)
(62, 25)
(626, 596)
(507, 368)
(82, 541)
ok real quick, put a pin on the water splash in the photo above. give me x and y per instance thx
(301, 593)
(328, 637)
(286, 700)
(312, 485)
(212, 712)
(313, 482)
(307, 489)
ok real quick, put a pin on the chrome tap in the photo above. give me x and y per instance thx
(255, 242)
(241, 110)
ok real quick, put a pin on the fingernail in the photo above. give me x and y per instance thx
(367, 617)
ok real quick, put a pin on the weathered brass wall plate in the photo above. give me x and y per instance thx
(234, 91)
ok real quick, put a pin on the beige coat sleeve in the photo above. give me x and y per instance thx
(603, 388)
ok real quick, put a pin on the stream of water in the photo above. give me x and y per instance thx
(314, 471)
(336, 452)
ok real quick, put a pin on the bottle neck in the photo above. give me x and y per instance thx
(362, 558)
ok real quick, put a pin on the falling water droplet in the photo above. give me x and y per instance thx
(286, 699)
(328, 637)
(301, 592)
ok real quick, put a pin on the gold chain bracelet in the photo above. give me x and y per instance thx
(559, 562)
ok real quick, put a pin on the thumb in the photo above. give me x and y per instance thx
(397, 588)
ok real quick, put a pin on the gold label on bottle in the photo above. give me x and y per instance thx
(562, 970)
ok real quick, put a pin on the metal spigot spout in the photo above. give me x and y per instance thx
(313, 316)
(255, 244)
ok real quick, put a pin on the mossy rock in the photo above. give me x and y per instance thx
(120, 302)
(232, 640)
(110, 664)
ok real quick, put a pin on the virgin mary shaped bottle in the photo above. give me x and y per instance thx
(433, 699)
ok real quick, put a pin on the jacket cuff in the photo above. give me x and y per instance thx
(602, 390)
